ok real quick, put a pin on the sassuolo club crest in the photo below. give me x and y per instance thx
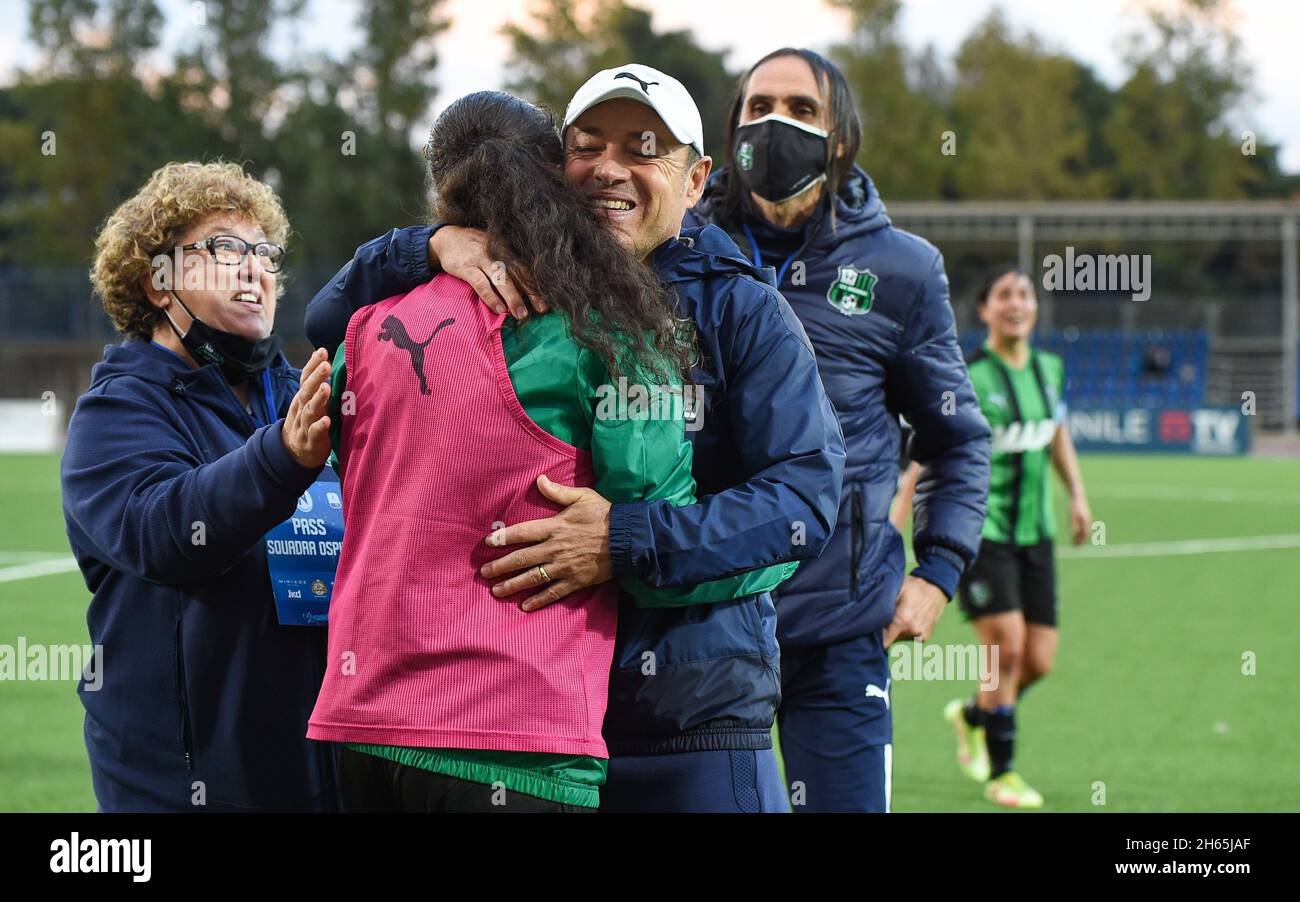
(853, 290)
(745, 156)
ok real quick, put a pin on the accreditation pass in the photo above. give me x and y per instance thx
(302, 554)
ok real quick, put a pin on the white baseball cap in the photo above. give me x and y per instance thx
(662, 93)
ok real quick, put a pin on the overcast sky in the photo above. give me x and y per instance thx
(472, 53)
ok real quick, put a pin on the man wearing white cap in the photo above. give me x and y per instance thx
(636, 108)
(693, 690)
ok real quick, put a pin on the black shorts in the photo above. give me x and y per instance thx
(1012, 578)
(374, 784)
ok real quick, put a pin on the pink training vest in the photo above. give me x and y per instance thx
(437, 454)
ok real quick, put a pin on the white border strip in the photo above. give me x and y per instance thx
(1194, 493)
(1186, 546)
(39, 568)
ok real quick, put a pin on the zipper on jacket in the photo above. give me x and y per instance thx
(182, 698)
(856, 541)
(249, 419)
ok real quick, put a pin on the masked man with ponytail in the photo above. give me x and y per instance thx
(195, 440)
(874, 302)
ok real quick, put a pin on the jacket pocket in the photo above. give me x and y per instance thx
(183, 699)
(857, 540)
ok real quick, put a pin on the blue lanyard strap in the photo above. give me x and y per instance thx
(758, 254)
(270, 397)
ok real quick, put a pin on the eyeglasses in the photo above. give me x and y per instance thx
(230, 250)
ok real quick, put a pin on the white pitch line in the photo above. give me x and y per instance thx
(1185, 546)
(1194, 493)
(39, 568)
(28, 557)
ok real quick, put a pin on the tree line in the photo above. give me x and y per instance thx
(1008, 116)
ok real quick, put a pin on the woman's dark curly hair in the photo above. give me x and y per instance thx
(496, 164)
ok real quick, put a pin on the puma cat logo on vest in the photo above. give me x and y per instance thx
(392, 329)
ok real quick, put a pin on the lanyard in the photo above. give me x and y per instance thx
(266, 389)
(758, 255)
(270, 399)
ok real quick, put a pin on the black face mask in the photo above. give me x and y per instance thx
(778, 158)
(237, 357)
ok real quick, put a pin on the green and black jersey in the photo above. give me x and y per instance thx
(1024, 408)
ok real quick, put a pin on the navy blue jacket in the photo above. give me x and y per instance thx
(168, 488)
(768, 463)
(895, 353)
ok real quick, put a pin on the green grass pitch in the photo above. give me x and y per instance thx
(1148, 699)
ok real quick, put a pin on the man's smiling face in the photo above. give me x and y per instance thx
(637, 174)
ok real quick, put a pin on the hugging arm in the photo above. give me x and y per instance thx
(391, 264)
(649, 459)
(790, 448)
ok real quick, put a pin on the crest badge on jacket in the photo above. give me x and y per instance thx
(853, 291)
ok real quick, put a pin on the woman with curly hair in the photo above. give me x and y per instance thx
(194, 440)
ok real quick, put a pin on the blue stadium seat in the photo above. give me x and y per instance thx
(1104, 366)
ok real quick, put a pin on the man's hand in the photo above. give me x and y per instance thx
(306, 429)
(462, 252)
(1080, 519)
(920, 605)
(573, 546)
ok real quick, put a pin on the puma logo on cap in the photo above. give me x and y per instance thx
(645, 85)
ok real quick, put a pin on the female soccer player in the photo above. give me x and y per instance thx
(1010, 591)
